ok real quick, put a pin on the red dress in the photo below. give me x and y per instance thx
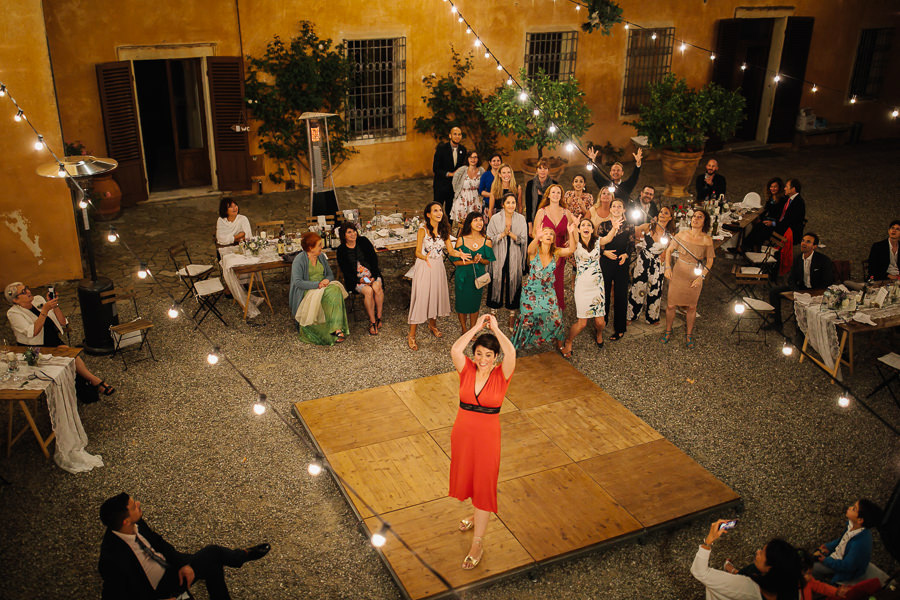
(562, 240)
(475, 440)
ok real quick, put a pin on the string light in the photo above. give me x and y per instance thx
(787, 349)
(213, 357)
(777, 78)
(378, 538)
(612, 188)
(683, 47)
(459, 20)
(712, 57)
(509, 81)
(853, 99)
(172, 312)
(739, 308)
(635, 214)
(523, 96)
(664, 240)
(453, 9)
(653, 36)
(487, 54)
(39, 144)
(82, 203)
(19, 116)
(314, 468)
(2, 89)
(551, 129)
(843, 401)
(259, 407)
(112, 235)
(477, 42)
(895, 113)
(570, 146)
(815, 88)
(468, 30)
(743, 66)
(626, 26)
(698, 270)
(577, 7)
(535, 112)
(589, 166)
(499, 67)
(62, 173)
(143, 271)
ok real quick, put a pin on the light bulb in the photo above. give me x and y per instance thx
(213, 357)
(2, 89)
(739, 308)
(777, 78)
(570, 146)
(552, 128)
(459, 20)
(589, 166)
(143, 271)
(653, 36)
(635, 214)
(743, 66)
(626, 25)
(314, 468)
(535, 112)
(853, 100)
(259, 408)
(62, 173)
(487, 54)
(577, 7)
(895, 113)
(499, 67)
(787, 349)
(468, 30)
(509, 81)
(814, 89)
(39, 144)
(378, 539)
(523, 96)
(698, 270)
(19, 116)
(83, 204)
(112, 235)
(477, 42)
(683, 47)
(843, 401)
(612, 188)
(172, 312)
(664, 240)
(712, 57)
(453, 9)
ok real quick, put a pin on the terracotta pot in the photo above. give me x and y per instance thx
(557, 166)
(107, 198)
(678, 170)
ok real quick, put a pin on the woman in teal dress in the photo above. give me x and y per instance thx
(325, 322)
(471, 241)
(540, 319)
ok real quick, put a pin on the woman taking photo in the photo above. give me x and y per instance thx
(475, 439)
(465, 189)
(508, 233)
(600, 209)
(316, 299)
(540, 319)
(590, 296)
(646, 271)
(614, 263)
(359, 263)
(231, 227)
(504, 183)
(471, 241)
(553, 213)
(430, 296)
(695, 259)
(577, 200)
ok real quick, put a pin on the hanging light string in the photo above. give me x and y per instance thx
(262, 404)
(40, 143)
(776, 76)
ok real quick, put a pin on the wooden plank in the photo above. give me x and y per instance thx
(656, 482)
(394, 474)
(435, 400)
(588, 427)
(561, 510)
(358, 419)
(524, 448)
(431, 529)
(546, 378)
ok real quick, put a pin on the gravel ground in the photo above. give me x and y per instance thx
(180, 436)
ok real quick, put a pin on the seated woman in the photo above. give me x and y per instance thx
(231, 227)
(316, 299)
(28, 317)
(359, 263)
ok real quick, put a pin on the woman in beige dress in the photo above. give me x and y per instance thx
(686, 279)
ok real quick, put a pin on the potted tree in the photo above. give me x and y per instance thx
(563, 116)
(678, 120)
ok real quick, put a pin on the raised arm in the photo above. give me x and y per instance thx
(616, 223)
(506, 347)
(570, 248)
(458, 349)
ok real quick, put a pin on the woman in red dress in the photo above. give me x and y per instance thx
(475, 440)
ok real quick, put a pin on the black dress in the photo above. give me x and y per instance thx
(615, 276)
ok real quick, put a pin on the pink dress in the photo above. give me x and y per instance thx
(562, 240)
(430, 296)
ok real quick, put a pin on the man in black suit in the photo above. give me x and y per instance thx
(621, 188)
(710, 185)
(789, 214)
(811, 270)
(883, 263)
(447, 159)
(646, 209)
(136, 563)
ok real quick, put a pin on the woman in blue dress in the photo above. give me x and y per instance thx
(540, 319)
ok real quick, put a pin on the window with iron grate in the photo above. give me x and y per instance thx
(872, 56)
(648, 60)
(376, 104)
(553, 53)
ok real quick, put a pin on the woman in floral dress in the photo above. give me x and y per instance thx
(647, 271)
(577, 200)
(465, 189)
(540, 319)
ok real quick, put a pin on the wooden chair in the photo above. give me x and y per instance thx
(388, 208)
(267, 225)
(190, 273)
(122, 333)
(314, 221)
(841, 270)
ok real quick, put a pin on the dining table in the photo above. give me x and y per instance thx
(52, 380)
(242, 264)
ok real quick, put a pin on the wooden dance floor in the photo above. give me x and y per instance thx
(578, 471)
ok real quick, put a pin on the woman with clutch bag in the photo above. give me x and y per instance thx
(316, 299)
(470, 272)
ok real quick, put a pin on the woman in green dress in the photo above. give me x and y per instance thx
(472, 241)
(322, 316)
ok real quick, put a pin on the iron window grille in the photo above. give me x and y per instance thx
(872, 57)
(648, 60)
(376, 103)
(553, 53)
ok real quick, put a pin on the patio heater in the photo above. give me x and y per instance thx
(322, 196)
(95, 316)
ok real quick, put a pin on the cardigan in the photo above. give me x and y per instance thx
(857, 555)
(22, 322)
(300, 281)
(364, 250)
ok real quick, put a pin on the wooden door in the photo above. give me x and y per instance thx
(226, 93)
(744, 42)
(797, 37)
(120, 124)
(188, 122)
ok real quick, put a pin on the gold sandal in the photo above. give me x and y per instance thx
(470, 562)
(411, 342)
(466, 525)
(435, 331)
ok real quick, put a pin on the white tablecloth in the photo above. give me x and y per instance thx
(71, 439)
(231, 259)
(400, 236)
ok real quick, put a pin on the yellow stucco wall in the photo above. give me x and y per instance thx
(38, 239)
(85, 32)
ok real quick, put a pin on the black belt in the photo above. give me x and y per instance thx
(487, 410)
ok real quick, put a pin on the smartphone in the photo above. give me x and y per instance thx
(728, 525)
(51, 293)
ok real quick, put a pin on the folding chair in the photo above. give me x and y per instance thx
(768, 259)
(190, 273)
(892, 360)
(746, 280)
(123, 333)
(207, 294)
(756, 309)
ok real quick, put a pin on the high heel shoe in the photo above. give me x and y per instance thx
(435, 331)
(665, 336)
(465, 525)
(470, 562)
(411, 342)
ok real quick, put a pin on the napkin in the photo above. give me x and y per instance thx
(802, 298)
(861, 317)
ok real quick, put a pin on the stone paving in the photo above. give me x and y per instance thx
(180, 436)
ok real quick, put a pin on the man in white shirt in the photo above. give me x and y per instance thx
(883, 263)
(136, 563)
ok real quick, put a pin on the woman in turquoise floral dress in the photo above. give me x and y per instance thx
(471, 241)
(540, 320)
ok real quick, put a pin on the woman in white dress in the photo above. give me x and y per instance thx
(231, 227)
(590, 299)
(465, 190)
